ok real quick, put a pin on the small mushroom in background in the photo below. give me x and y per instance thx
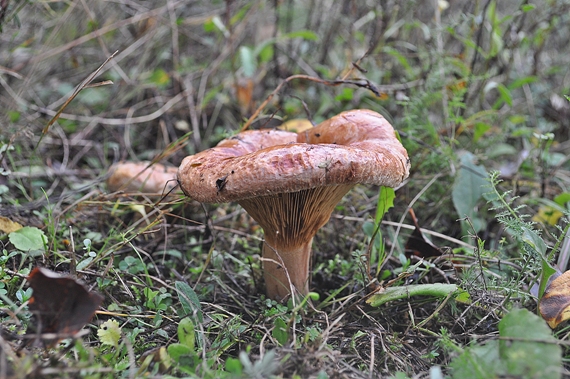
(290, 183)
(142, 177)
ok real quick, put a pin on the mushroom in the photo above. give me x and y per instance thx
(290, 183)
(141, 176)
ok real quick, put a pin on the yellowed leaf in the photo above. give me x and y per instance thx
(547, 215)
(9, 226)
(297, 125)
(554, 306)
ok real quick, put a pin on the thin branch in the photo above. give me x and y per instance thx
(362, 83)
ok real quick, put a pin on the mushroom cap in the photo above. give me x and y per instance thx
(141, 176)
(357, 146)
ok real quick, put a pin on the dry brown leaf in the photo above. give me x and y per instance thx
(61, 304)
(8, 226)
(297, 125)
(555, 304)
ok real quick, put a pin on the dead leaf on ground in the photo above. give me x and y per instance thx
(61, 304)
(8, 226)
(418, 245)
(554, 306)
(297, 125)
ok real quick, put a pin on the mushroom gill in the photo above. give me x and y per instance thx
(290, 220)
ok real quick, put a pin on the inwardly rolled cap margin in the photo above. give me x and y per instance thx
(290, 183)
(357, 146)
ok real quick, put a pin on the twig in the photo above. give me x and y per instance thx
(362, 83)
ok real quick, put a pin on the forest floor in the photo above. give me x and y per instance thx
(476, 91)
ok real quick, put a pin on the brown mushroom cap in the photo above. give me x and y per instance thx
(140, 176)
(290, 183)
(357, 146)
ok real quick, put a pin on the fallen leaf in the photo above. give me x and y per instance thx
(554, 306)
(547, 215)
(418, 245)
(297, 125)
(60, 303)
(8, 226)
(109, 333)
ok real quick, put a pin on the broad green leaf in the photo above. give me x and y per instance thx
(533, 352)
(189, 301)
(468, 188)
(386, 198)
(505, 96)
(547, 272)
(517, 119)
(233, 365)
(563, 198)
(28, 238)
(186, 334)
(527, 349)
(177, 350)
(477, 362)
(550, 211)
(279, 331)
(84, 263)
(530, 237)
(109, 333)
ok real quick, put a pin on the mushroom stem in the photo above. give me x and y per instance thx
(286, 269)
(290, 221)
